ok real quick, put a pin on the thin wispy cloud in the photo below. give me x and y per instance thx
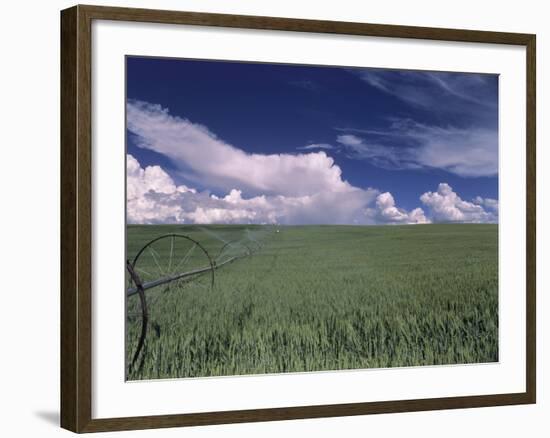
(385, 157)
(407, 144)
(314, 146)
(438, 91)
(447, 121)
(465, 87)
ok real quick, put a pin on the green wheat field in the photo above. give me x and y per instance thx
(312, 298)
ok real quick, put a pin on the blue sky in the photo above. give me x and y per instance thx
(213, 141)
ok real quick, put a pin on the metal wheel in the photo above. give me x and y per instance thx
(169, 262)
(169, 256)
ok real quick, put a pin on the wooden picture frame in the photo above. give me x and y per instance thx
(76, 218)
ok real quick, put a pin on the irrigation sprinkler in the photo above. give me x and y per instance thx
(177, 259)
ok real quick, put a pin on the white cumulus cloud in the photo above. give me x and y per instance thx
(153, 197)
(204, 157)
(305, 188)
(446, 206)
(386, 212)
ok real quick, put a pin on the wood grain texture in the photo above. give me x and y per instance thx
(69, 328)
(299, 25)
(297, 413)
(76, 222)
(76, 186)
(531, 217)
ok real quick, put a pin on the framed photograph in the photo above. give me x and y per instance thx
(270, 218)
